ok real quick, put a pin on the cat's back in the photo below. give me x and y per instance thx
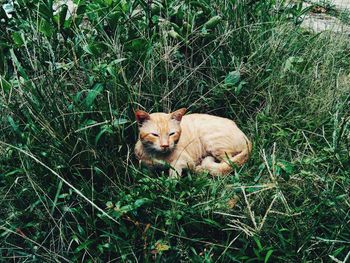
(206, 122)
(210, 129)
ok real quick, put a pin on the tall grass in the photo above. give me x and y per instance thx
(70, 187)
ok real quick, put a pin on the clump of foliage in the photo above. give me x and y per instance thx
(70, 187)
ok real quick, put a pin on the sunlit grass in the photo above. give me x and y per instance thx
(70, 186)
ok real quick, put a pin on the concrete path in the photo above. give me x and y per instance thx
(341, 4)
(319, 22)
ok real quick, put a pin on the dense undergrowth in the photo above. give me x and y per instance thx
(70, 187)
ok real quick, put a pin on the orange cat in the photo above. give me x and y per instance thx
(199, 142)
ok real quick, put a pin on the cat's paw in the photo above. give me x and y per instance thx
(208, 161)
(174, 174)
(201, 169)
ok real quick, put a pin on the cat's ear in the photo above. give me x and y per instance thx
(177, 115)
(141, 116)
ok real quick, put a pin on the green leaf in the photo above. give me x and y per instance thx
(13, 125)
(140, 202)
(286, 166)
(46, 28)
(126, 208)
(117, 61)
(92, 94)
(17, 38)
(109, 205)
(174, 34)
(238, 88)
(87, 49)
(84, 245)
(268, 255)
(112, 68)
(62, 16)
(119, 122)
(212, 22)
(232, 78)
(108, 2)
(4, 84)
(95, 48)
(212, 222)
(125, 5)
(13, 172)
(160, 246)
(138, 44)
(202, 6)
(293, 64)
(156, 8)
(104, 129)
(338, 251)
(80, 12)
(18, 65)
(86, 124)
(257, 241)
(62, 196)
(45, 11)
(3, 14)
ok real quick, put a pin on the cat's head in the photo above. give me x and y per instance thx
(159, 132)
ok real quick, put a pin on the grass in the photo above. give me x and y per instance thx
(70, 187)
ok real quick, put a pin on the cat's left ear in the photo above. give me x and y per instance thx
(177, 115)
(141, 116)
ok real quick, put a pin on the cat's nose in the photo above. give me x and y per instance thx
(165, 146)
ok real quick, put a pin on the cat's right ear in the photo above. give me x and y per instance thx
(141, 116)
(177, 115)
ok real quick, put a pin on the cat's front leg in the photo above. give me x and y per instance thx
(178, 166)
(175, 172)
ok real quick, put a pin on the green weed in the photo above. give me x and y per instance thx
(70, 187)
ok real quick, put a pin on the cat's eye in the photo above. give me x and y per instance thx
(155, 134)
(171, 134)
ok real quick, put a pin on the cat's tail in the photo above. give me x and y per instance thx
(240, 158)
